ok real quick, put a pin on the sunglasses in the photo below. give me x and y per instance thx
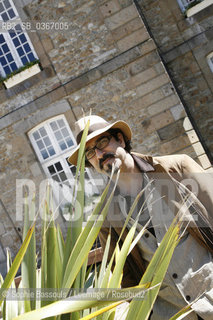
(100, 144)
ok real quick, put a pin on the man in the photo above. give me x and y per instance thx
(172, 184)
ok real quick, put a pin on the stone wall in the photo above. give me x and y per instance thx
(184, 44)
(106, 62)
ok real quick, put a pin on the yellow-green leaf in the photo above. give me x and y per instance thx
(16, 263)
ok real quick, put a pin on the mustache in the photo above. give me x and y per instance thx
(105, 156)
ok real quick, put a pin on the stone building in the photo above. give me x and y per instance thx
(140, 61)
(184, 39)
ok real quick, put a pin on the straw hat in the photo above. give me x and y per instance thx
(97, 126)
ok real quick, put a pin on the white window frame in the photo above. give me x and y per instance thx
(210, 60)
(10, 43)
(183, 4)
(60, 156)
(59, 153)
(195, 9)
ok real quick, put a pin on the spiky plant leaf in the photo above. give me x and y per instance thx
(16, 264)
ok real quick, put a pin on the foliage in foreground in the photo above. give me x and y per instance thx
(64, 265)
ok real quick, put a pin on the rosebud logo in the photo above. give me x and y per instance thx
(32, 199)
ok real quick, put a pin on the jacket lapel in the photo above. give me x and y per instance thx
(200, 228)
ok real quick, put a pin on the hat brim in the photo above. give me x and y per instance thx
(122, 125)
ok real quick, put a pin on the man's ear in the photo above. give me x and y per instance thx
(121, 139)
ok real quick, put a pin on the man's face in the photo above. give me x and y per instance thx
(112, 153)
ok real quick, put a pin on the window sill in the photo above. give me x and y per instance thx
(24, 75)
(200, 6)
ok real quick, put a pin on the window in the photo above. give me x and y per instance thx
(210, 60)
(53, 141)
(185, 3)
(16, 49)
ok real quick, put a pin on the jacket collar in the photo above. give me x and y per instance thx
(143, 165)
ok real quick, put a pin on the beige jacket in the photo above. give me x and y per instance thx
(170, 173)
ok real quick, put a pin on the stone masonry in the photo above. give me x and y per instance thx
(184, 44)
(107, 62)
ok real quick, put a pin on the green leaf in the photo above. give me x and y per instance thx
(77, 226)
(182, 313)
(69, 244)
(155, 273)
(79, 207)
(87, 236)
(71, 304)
(104, 263)
(28, 266)
(84, 244)
(132, 210)
(59, 256)
(137, 238)
(10, 309)
(89, 277)
(74, 266)
(60, 307)
(16, 263)
(50, 253)
(102, 310)
(105, 280)
(51, 258)
(117, 272)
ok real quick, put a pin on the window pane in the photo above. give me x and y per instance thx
(13, 66)
(36, 135)
(51, 151)
(43, 132)
(70, 143)
(27, 47)
(1, 8)
(11, 13)
(16, 42)
(9, 57)
(24, 60)
(54, 125)
(51, 169)
(62, 145)
(63, 176)
(47, 141)
(5, 16)
(7, 70)
(58, 135)
(61, 123)
(18, 28)
(73, 170)
(2, 40)
(56, 178)
(22, 38)
(3, 61)
(58, 166)
(31, 57)
(20, 51)
(5, 48)
(40, 144)
(44, 154)
(65, 132)
(12, 34)
(7, 4)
